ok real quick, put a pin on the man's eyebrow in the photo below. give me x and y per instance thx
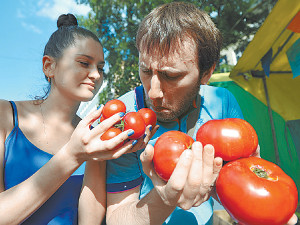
(92, 58)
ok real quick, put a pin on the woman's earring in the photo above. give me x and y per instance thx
(49, 79)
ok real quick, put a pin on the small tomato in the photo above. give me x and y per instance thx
(134, 121)
(112, 107)
(111, 133)
(149, 116)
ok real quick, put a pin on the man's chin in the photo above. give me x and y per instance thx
(165, 117)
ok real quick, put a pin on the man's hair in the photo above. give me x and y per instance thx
(164, 27)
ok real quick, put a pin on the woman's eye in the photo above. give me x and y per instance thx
(146, 71)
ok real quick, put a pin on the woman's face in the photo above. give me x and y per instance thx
(78, 75)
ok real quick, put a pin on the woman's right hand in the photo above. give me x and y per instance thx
(86, 144)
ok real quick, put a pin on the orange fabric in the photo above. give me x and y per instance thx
(295, 24)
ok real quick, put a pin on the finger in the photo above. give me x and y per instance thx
(123, 150)
(146, 159)
(106, 124)
(112, 154)
(257, 152)
(112, 143)
(92, 117)
(208, 166)
(293, 220)
(218, 162)
(195, 174)
(148, 134)
(179, 176)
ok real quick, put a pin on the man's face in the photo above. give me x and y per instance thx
(172, 82)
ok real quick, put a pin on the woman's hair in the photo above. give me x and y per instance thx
(165, 27)
(66, 35)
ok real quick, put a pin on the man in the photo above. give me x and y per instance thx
(178, 46)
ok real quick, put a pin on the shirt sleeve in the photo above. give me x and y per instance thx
(231, 108)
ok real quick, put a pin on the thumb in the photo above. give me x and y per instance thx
(146, 159)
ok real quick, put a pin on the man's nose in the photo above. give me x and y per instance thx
(155, 88)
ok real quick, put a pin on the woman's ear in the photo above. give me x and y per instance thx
(207, 75)
(48, 66)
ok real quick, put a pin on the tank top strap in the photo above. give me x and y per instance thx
(15, 113)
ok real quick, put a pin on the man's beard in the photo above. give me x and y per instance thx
(184, 105)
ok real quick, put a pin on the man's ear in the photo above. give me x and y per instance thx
(207, 75)
(48, 66)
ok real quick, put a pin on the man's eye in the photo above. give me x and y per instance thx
(100, 70)
(86, 64)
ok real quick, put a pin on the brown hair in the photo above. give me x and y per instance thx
(164, 26)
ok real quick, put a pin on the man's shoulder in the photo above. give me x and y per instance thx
(129, 100)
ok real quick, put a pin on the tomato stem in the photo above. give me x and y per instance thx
(260, 172)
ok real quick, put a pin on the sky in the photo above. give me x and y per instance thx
(26, 26)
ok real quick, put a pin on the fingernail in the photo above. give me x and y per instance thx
(144, 135)
(150, 128)
(99, 106)
(134, 142)
(121, 114)
(130, 133)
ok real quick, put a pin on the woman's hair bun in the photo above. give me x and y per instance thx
(66, 20)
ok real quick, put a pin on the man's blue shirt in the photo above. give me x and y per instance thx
(126, 172)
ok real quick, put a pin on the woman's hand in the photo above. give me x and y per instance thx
(86, 144)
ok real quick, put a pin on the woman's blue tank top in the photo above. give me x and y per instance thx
(22, 159)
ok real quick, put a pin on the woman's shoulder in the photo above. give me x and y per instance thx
(6, 115)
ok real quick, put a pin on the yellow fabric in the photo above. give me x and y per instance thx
(284, 91)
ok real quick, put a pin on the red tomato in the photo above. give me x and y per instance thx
(232, 138)
(255, 191)
(149, 116)
(111, 133)
(112, 107)
(167, 151)
(134, 121)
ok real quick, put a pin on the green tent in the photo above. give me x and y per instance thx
(266, 83)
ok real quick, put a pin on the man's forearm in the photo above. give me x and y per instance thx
(149, 210)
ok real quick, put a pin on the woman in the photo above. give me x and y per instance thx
(44, 144)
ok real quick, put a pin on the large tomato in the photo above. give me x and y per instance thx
(112, 107)
(167, 151)
(149, 116)
(232, 138)
(111, 133)
(257, 192)
(134, 121)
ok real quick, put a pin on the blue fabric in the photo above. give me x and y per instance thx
(23, 159)
(216, 103)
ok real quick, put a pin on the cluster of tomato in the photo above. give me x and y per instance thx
(136, 121)
(251, 189)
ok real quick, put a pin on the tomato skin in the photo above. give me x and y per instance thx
(111, 133)
(149, 116)
(232, 138)
(112, 107)
(254, 200)
(167, 151)
(134, 121)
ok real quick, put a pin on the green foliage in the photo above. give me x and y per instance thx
(116, 23)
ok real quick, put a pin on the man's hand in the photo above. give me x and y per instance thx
(192, 180)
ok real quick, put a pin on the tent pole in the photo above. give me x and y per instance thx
(271, 120)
